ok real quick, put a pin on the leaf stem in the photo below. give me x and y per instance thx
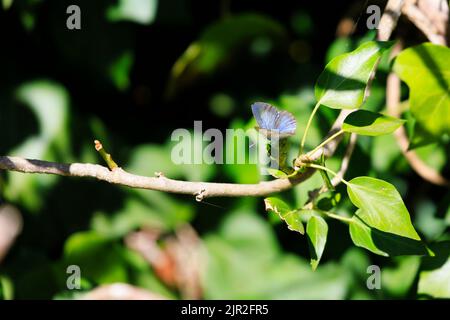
(308, 124)
(335, 216)
(316, 166)
(332, 137)
(325, 176)
(106, 156)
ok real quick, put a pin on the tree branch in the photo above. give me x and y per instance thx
(389, 19)
(429, 16)
(119, 176)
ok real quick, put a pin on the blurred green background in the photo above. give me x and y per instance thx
(136, 71)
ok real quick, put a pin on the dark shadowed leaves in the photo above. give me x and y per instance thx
(383, 243)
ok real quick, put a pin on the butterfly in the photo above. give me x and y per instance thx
(272, 122)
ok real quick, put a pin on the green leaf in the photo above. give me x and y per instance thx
(291, 217)
(426, 71)
(434, 278)
(343, 82)
(369, 123)
(277, 173)
(361, 235)
(6, 288)
(316, 230)
(280, 174)
(383, 206)
(382, 225)
(382, 243)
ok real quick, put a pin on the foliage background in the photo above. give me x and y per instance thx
(136, 71)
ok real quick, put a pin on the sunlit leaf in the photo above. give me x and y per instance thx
(426, 71)
(343, 82)
(291, 217)
(280, 174)
(382, 224)
(361, 235)
(369, 123)
(383, 205)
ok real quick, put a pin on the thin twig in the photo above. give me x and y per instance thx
(105, 155)
(345, 160)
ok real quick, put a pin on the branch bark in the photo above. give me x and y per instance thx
(430, 17)
(388, 21)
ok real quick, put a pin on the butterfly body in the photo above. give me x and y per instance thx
(272, 122)
(275, 124)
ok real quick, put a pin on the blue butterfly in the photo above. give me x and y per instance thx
(272, 122)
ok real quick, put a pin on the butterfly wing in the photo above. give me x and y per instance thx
(285, 124)
(272, 122)
(265, 115)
